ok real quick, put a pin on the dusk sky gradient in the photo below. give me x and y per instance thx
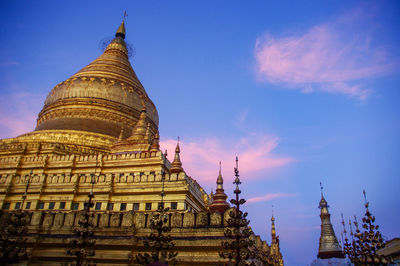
(301, 91)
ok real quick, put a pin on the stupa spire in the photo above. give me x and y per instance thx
(219, 203)
(176, 166)
(328, 244)
(121, 29)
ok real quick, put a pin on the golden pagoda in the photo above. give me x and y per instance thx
(97, 135)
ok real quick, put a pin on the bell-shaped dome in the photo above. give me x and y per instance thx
(101, 97)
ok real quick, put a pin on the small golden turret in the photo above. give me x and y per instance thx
(219, 203)
(176, 166)
(139, 139)
(155, 144)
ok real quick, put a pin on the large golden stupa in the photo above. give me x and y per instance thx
(98, 132)
(93, 107)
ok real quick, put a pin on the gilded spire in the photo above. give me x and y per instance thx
(328, 244)
(219, 203)
(140, 129)
(121, 30)
(176, 166)
(220, 181)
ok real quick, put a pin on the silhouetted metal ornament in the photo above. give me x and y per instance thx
(363, 246)
(240, 249)
(129, 47)
(160, 245)
(12, 241)
(82, 246)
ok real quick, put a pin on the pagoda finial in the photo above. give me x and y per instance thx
(220, 181)
(366, 203)
(328, 244)
(121, 29)
(176, 166)
(322, 188)
(272, 212)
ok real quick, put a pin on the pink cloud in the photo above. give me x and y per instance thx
(268, 197)
(335, 57)
(18, 113)
(200, 157)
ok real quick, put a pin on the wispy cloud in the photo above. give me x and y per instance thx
(200, 157)
(8, 62)
(269, 196)
(336, 57)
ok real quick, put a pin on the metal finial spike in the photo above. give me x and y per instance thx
(125, 15)
(272, 210)
(365, 196)
(237, 163)
(178, 139)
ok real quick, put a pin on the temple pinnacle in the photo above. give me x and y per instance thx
(121, 30)
(328, 244)
(176, 166)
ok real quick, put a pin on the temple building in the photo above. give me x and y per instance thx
(98, 132)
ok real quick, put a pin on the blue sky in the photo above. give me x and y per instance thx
(301, 91)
